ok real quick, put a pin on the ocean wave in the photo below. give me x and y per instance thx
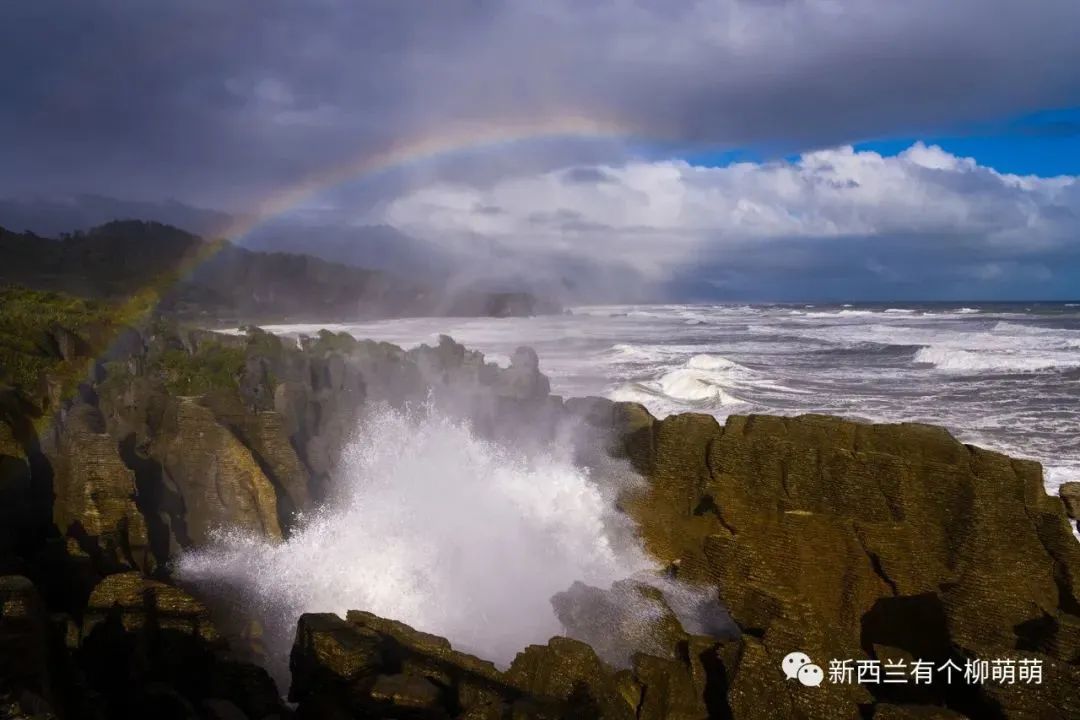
(840, 313)
(960, 361)
(1012, 328)
(869, 347)
(703, 381)
(712, 362)
(695, 386)
(968, 311)
(629, 353)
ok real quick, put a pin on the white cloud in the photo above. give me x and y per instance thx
(660, 217)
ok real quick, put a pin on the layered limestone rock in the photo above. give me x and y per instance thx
(135, 601)
(245, 431)
(367, 666)
(846, 540)
(218, 477)
(149, 649)
(266, 435)
(838, 539)
(1070, 495)
(95, 493)
(142, 649)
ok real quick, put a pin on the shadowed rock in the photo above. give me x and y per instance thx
(1070, 495)
(372, 667)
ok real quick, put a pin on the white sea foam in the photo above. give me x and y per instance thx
(953, 360)
(695, 386)
(624, 352)
(713, 362)
(704, 380)
(432, 526)
(844, 313)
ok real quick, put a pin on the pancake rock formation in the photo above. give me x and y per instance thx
(818, 535)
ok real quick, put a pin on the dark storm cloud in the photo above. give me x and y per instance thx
(199, 98)
(217, 102)
(172, 105)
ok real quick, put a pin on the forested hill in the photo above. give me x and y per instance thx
(218, 280)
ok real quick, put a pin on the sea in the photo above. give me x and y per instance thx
(1005, 376)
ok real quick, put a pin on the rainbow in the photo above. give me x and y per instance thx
(449, 140)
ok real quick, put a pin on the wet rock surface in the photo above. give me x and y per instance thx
(837, 539)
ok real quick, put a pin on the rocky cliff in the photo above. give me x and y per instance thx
(836, 539)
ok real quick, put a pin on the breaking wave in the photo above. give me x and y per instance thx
(704, 381)
(433, 526)
(959, 361)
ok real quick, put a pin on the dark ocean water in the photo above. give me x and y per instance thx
(1002, 375)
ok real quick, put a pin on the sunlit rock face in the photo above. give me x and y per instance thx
(848, 540)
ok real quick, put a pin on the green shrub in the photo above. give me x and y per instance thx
(214, 368)
(28, 319)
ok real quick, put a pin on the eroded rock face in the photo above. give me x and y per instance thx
(834, 538)
(149, 649)
(218, 477)
(845, 540)
(95, 493)
(136, 602)
(141, 649)
(191, 430)
(838, 539)
(1070, 495)
(367, 666)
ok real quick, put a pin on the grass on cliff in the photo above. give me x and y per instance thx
(215, 367)
(29, 321)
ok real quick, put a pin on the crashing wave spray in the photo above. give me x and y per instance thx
(433, 526)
